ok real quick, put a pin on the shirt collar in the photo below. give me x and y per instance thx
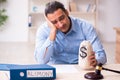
(73, 25)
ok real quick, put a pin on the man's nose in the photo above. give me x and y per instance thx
(60, 23)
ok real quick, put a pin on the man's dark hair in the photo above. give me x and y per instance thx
(53, 6)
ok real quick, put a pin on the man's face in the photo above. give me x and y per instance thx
(60, 19)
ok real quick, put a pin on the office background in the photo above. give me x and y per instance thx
(16, 31)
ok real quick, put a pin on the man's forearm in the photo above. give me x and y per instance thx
(101, 57)
(43, 53)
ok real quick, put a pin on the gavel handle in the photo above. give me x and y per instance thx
(111, 70)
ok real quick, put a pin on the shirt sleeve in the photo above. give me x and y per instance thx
(43, 47)
(92, 36)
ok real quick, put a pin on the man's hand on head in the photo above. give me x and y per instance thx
(53, 30)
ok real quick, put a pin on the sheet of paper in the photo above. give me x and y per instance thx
(4, 75)
(65, 69)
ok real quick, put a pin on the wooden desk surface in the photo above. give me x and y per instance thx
(74, 72)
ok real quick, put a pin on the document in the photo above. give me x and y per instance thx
(66, 69)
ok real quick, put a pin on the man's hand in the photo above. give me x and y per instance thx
(92, 60)
(53, 30)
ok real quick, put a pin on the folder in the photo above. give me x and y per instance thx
(28, 72)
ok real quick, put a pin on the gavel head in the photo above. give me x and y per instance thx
(95, 75)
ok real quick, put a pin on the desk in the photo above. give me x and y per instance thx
(74, 72)
(117, 55)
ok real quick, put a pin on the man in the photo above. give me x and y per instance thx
(58, 39)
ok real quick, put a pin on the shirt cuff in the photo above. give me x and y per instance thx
(49, 43)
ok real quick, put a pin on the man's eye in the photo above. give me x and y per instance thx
(54, 22)
(62, 17)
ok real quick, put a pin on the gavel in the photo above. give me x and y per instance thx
(97, 74)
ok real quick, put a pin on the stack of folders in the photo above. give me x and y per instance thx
(27, 72)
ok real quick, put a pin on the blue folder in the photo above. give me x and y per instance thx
(29, 72)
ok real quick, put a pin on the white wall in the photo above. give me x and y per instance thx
(109, 17)
(16, 27)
